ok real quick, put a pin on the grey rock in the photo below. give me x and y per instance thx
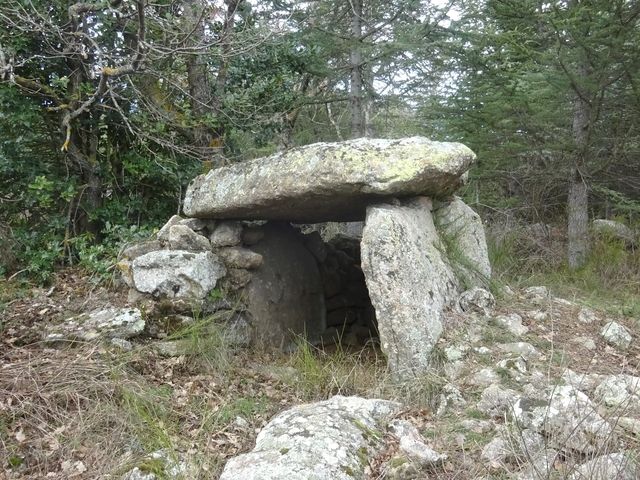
(109, 323)
(497, 452)
(537, 292)
(226, 234)
(458, 222)
(496, 401)
(630, 424)
(237, 278)
(163, 233)
(315, 244)
(413, 445)
(484, 378)
(285, 297)
(137, 474)
(477, 426)
(581, 381)
(451, 397)
(477, 300)
(252, 235)
(587, 316)
(182, 237)
(196, 224)
(455, 352)
(133, 251)
(409, 282)
(586, 342)
(616, 335)
(177, 273)
(328, 440)
(619, 391)
(239, 257)
(524, 349)
(568, 418)
(328, 181)
(614, 229)
(512, 323)
(614, 466)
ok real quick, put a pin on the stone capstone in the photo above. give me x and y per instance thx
(177, 273)
(329, 440)
(328, 181)
(408, 280)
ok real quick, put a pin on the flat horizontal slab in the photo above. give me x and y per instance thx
(328, 181)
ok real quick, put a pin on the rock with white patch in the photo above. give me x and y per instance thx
(614, 466)
(329, 440)
(477, 300)
(568, 418)
(409, 282)
(328, 181)
(182, 237)
(513, 323)
(497, 401)
(177, 273)
(110, 323)
(463, 226)
(616, 335)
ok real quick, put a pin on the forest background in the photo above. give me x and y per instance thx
(109, 108)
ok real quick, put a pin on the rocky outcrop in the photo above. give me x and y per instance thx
(330, 440)
(328, 181)
(409, 281)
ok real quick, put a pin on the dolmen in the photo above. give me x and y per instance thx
(255, 242)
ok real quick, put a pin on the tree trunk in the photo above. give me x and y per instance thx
(578, 197)
(358, 127)
(577, 220)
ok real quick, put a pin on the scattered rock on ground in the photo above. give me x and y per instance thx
(513, 323)
(325, 440)
(477, 300)
(616, 335)
(568, 418)
(614, 466)
(110, 323)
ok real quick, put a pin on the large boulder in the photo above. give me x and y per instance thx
(409, 282)
(177, 273)
(463, 232)
(285, 296)
(330, 440)
(328, 181)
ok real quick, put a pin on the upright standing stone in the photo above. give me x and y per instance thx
(464, 229)
(409, 282)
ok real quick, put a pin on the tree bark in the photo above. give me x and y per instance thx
(578, 197)
(356, 105)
